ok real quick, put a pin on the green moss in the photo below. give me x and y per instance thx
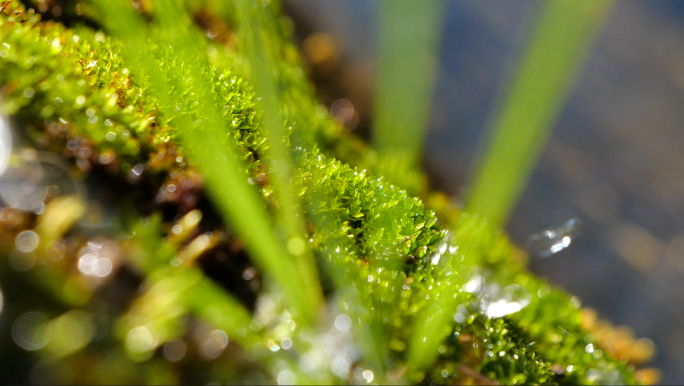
(71, 90)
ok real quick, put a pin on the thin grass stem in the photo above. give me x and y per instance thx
(540, 87)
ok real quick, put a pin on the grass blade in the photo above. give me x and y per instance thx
(255, 29)
(409, 33)
(205, 142)
(540, 87)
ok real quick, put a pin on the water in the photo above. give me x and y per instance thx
(21, 184)
(29, 178)
(496, 300)
(32, 178)
(499, 302)
(552, 241)
(601, 377)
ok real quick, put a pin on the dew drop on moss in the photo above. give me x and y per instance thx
(496, 300)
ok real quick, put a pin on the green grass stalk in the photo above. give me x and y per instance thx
(254, 30)
(409, 39)
(545, 74)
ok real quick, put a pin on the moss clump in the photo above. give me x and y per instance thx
(71, 91)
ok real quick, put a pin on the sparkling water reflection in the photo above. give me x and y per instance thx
(496, 300)
(552, 241)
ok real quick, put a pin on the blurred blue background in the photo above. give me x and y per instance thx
(615, 159)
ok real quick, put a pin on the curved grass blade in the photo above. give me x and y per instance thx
(556, 49)
(541, 85)
(255, 29)
(409, 38)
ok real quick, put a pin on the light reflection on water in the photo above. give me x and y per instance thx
(552, 241)
(496, 300)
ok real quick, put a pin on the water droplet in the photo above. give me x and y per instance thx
(175, 350)
(141, 340)
(137, 170)
(27, 241)
(286, 343)
(601, 377)
(287, 377)
(31, 331)
(249, 273)
(343, 322)
(435, 258)
(21, 184)
(552, 241)
(340, 366)
(544, 290)
(498, 303)
(368, 376)
(212, 347)
(87, 264)
(474, 284)
(103, 267)
(32, 178)
(496, 300)
(446, 244)
(273, 346)
(343, 110)
(575, 302)
(589, 348)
